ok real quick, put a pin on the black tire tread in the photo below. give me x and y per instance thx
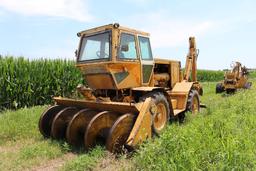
(248, 85)
(191, 95)
(219, 88)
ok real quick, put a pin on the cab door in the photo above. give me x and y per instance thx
(146, 58)
(128, 66)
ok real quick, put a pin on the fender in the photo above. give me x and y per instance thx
(179, 95)
(147, 89)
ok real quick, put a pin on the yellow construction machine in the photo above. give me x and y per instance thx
(129, 96)
(234, 79)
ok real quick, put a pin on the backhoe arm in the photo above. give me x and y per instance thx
(191, 66)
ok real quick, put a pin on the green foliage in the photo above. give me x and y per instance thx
(209, 75)
(22, 124)
(21, 144)
(25, 83)
(28, 83)
(252, 74)
(22, 147)
(221, 137)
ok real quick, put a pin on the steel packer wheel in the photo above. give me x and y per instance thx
(119, 133)
(77, 126)
(98, 128)
(45, 121)
(60, 122)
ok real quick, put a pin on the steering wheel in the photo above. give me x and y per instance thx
(105, 55)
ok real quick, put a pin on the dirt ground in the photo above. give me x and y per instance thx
(112, 163)
(54, 164)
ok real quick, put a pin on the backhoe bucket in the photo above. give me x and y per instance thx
(85, 123)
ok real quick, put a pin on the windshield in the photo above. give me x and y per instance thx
(95, 47)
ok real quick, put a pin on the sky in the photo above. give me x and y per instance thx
(225, 31)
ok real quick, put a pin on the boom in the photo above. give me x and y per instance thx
(191, 61)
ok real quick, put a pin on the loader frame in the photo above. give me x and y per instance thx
(129, 95)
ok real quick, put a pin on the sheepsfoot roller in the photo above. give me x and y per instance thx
(84, 123)
(129, 96)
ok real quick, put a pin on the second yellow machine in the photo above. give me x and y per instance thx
(129, 96)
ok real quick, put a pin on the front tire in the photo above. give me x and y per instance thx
(162, 114)
(219, 88)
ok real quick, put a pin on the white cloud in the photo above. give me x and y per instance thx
(75, 9)
(172, 33)
(139, 2)
(166, 31)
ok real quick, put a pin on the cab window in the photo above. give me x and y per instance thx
(127, 49)
(145, 48)
(95, 47)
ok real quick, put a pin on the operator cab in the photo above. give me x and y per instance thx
(117, 55)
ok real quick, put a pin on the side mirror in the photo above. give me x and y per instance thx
(76, 53)
(125, 48)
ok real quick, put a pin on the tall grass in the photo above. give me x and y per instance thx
(252, 74)
(28, 83)
(22, 147)
(222, 137)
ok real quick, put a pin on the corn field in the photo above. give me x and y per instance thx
(29, 83)
(210, 75)
(25, 83)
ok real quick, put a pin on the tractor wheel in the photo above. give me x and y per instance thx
(230, 91)
(193, 103)
(219, 88)
(248, 85)
(162, 114)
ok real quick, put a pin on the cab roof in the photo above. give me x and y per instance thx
(110, 27)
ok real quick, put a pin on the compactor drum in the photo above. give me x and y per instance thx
(129, 96)
(234, 79)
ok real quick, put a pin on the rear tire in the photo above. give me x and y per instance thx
(162, 114)
(248, 85)
(193, 104)
(230, 91)
(219, 88)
